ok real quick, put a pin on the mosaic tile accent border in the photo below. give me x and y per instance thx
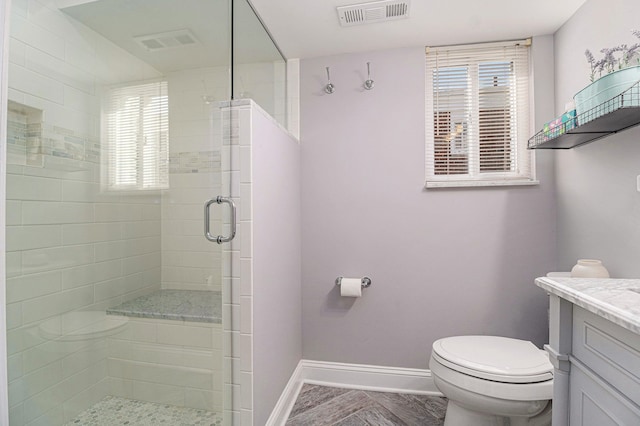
(194, 162)
(113, 411)
(29, 138)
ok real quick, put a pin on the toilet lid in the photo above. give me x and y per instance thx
(500, 359)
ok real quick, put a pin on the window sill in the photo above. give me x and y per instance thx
(479, 183)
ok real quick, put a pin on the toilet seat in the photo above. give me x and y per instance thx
(498, 359)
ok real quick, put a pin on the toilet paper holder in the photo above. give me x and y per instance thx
(365, 281)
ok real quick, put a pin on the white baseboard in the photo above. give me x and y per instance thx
(288, 397)
(352, 376)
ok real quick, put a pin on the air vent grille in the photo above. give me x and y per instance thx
(377, 11)
(166, 40)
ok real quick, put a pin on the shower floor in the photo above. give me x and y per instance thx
(112, 411)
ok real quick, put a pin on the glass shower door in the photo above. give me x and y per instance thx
(114, 302)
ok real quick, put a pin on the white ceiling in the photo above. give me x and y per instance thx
(310, 28)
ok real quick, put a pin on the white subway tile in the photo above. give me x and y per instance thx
(38, 380)
(38, 212)
(17, 51)
(141, 229)
(141, 263)
(158, 393)
(246, 239)
(246, 352)
(60, 71)
(246, 314)
(81, 56)
(139, 330)
(16, 96)
(81, 100)
(183, 335)
(90, 233)
(245, 207)
(15, 341)
(16, 415)
(246, 417)
(35, 36)
(85, 399)
(87, 357)
(23, 79)
(33, 188)
(120, 387)
(89, 274)
(85, 192)
(14, 264)
(14, 367)
(246, 277)
(109, 250)
(118, 212)
(108, 289)
(14, 315)
(55, 258)
(56, 304)
(246, 165)
(32, 237)
(201, 399)
(151, 212)
(35, 285)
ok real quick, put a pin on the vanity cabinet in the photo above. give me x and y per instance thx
(594, 346)
(604, 378)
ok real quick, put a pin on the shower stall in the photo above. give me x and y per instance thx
(141, 269)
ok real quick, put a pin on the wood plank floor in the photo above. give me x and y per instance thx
(322, 405)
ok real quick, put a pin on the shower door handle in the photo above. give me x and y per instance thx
(207, 232)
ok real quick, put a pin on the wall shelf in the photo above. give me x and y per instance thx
(615, 115)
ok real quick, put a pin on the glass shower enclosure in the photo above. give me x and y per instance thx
(118, 135)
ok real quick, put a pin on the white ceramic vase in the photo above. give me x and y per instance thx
(589, 268)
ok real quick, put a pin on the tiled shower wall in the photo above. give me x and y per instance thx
(69, 246)
(189, 261)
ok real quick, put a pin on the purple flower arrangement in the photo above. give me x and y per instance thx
(615, 58)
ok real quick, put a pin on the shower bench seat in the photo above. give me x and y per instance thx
(179, 305)
(173, 342)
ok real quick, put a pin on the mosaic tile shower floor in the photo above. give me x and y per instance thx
(112, 411)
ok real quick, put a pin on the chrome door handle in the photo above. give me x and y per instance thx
(207, 232)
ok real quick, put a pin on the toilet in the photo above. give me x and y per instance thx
(493, 381)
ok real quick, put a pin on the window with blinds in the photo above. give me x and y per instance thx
(137, 137)
(477, 115)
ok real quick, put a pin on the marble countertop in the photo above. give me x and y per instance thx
(182, 305)
(617, 300)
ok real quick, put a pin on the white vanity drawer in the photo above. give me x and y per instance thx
(609, 350)
(595, 403)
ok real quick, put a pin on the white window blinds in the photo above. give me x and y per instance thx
(137, 136)
(477, 115)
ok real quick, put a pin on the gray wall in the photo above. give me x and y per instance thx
(598, 205)
(443, 262)
(276, 261)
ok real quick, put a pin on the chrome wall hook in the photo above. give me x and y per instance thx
(329, 88)
(368, 84)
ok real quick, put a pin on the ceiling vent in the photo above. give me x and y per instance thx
(166, 40)
(372, 12)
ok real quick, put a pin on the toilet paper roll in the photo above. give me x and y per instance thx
(351, 287)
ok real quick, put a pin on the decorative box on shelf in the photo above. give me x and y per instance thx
(560, 125)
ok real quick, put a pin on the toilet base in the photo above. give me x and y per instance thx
(460, 416)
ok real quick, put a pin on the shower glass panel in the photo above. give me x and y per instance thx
(259, 68)
(114, 144)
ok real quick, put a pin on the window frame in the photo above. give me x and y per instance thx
(523, 159)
